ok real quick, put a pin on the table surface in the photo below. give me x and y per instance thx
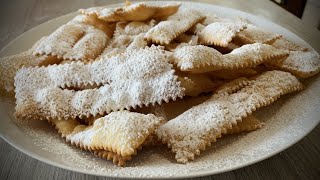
(301, 161)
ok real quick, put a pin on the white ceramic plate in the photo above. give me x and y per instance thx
(287, 121)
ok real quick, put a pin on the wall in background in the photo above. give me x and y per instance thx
(307, 10)
(296, 7)
(311, 14)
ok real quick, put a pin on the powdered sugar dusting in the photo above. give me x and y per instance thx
(300, 63)
(303, 61)
(121, 132)
(220, 33)
(135, 78)
(200, 58)
(196, 128)
(75, 41)
(254, 34)
(166, 31)
(133, 28)
(283, 43)
(9, 65)
(287, 120)
(134, 12)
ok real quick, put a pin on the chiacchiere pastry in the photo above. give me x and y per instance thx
(113, 80)
(249, 123)
(133, 28)
(173, 109)
(134, 12)
(200, 59)
(164, 32)
(115, 137)
(74, 41)
(253, 34)
(233, 73)
(68, 127)
(220, 33)
(127, 36)
(195, 84)
(196, 128)
(300, 62)
(126, 80)
(120, 132)
(11, 64)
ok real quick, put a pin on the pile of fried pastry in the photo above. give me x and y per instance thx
(113, 80)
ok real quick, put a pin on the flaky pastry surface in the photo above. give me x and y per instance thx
(134, 12)
(164, 32)
(120, 132)
(220, 33)
(253, 34)
(127, 80)
(114, 80)
(67, 127)
(200, 59)
(9, 65)
(198, 127)
(74, 41)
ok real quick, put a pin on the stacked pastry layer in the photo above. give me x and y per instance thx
(113, 80)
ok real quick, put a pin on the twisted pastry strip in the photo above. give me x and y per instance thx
(9, 65)
(134, 78)
(301, 62)
(134, 12)
(166, 31)
(199, 59)
(75, 41)
(195, 129)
